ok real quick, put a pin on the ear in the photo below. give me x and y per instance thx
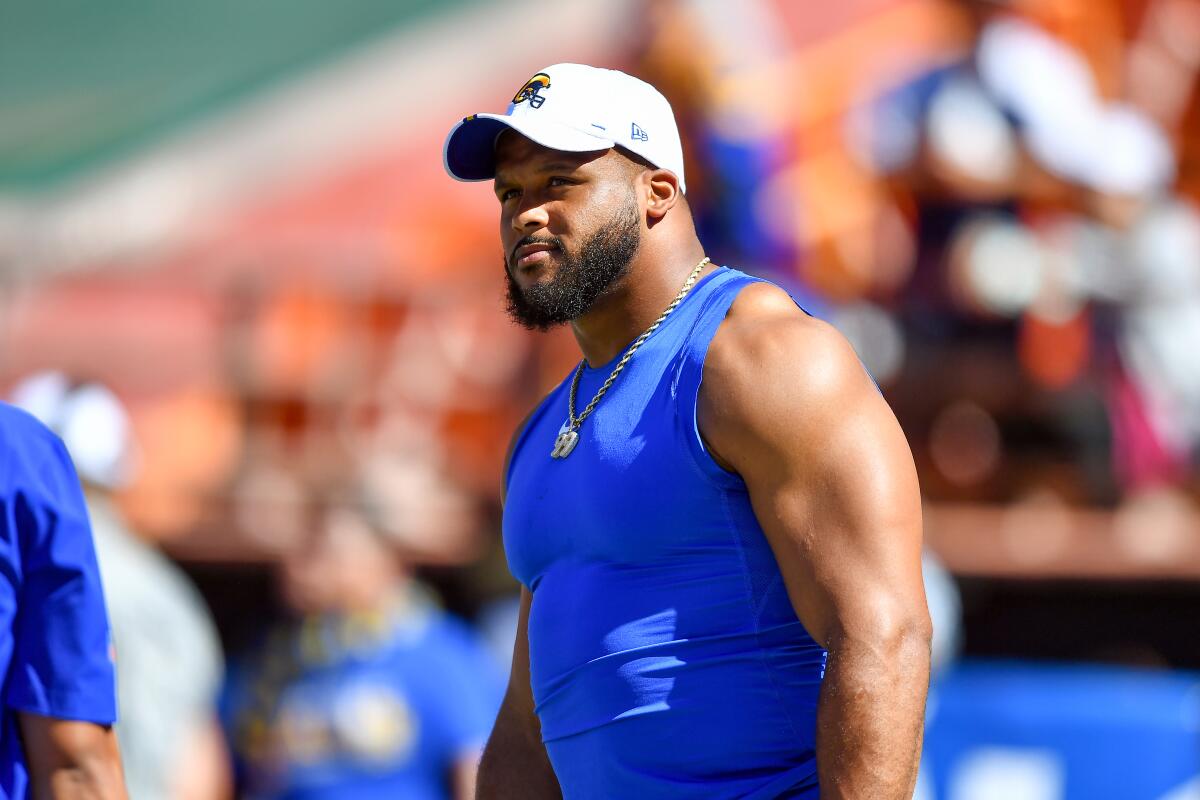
(662, 193)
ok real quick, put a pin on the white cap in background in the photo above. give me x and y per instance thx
(90, 420)
(576, 108)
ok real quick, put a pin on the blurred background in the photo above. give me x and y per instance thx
(235, 278)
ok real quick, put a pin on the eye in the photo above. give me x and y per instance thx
(559, 181)
(508, 194)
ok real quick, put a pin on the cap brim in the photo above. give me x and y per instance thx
(470, 150)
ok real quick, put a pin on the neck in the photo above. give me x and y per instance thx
(635, 301)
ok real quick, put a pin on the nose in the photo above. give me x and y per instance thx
(530, 216)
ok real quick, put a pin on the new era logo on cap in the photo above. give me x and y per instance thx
(576, 108)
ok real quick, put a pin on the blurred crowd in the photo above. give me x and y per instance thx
(366, 688)
(997, 202)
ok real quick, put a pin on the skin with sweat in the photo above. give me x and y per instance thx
(786, 405)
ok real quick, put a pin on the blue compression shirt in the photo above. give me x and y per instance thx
(54, 640)
(666, 658)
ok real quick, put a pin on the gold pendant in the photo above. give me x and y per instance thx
(565, 443)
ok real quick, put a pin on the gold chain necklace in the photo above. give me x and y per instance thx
(568, 437)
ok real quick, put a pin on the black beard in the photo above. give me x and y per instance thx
(580, 280)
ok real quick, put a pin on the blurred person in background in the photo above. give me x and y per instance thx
(57, 739)
(169, 662)
(372, 691)
(690, 555)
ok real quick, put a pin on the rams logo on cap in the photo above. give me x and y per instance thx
(530, 91)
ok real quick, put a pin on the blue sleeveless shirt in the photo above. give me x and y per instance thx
(666, 659)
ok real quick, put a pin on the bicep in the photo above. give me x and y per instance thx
(832, 483)
(518, 716)
(515, 763)
(520, 692)
(846, 525)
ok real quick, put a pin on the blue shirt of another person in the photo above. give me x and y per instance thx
(54, 638)
(362, 708)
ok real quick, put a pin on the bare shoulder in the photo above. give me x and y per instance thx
(784, 394)
(768, 351)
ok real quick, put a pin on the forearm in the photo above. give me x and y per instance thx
(870, 716)
(514, 764)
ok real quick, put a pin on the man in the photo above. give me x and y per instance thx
(56, 735)
(689, 551)
(169, 664)
(374, 691)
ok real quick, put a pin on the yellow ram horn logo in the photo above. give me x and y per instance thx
(530, 91)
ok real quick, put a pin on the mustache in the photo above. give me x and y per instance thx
(553, 241)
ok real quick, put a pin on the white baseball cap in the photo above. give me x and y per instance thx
(90, 420)
(576, 108)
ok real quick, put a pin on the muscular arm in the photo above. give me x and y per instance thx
(71, 760)
(786, 405)
(514, 764)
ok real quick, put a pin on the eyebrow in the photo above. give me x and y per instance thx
(559, 166)
(502, 179)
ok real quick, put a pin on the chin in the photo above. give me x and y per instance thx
(543, 274)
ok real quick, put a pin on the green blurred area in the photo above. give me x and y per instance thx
(82, 82)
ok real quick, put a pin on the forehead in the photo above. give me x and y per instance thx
(515, 151)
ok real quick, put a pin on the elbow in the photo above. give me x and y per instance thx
(102, 782)
(897, 636)
(92, 772)
(914, 629)
(908, 638)
(72, 758)
(93, 778)
(913, 642)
